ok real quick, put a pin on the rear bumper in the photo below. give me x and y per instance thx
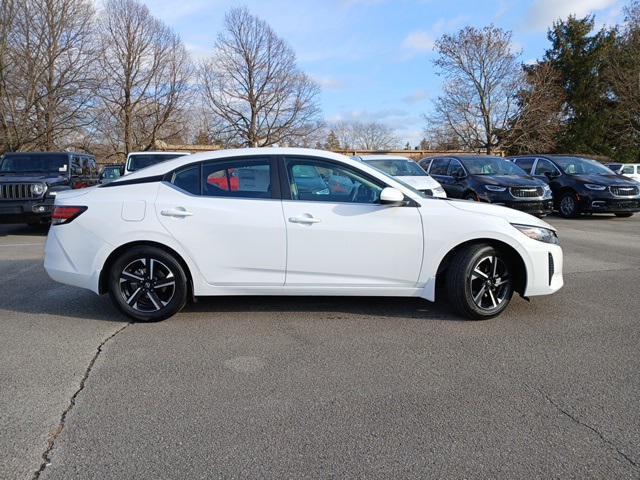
(72, 266)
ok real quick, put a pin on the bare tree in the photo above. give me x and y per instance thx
(481, 75)
(253, 84)
(47, 51)
(147, 71)
(538, 123)
(361, 135)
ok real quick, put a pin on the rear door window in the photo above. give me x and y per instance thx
(439, 166)
(525, 163)
(242, 178)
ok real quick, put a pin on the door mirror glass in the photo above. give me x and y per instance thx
(391, 196)
(551, 175)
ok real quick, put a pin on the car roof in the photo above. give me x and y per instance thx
(158, 153)
(48, 153)
(171, 164)
(463, 156)
(383, 157)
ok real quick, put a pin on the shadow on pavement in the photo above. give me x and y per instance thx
(22, 230)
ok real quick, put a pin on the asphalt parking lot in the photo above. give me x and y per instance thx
(325, 387)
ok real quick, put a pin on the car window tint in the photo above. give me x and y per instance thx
(188, 179)
(320, 181)
(455, 168)
(524, 163)
(439, 166)
(627, 169)
(425, 164)
(545, 166)
(240, 178)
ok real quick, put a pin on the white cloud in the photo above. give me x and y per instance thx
(422, 42)
(328, 83)
(199, 52)
(416, 97)
(544, 12)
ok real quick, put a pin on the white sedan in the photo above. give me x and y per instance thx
(280, 221)
(407, 171)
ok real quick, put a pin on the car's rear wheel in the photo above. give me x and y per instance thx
(480, 281)
(148, 284)
(568, 205)
(624, 215)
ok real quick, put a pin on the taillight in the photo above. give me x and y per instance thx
(65, 214)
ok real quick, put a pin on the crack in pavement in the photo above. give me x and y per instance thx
(46, 455)
(575, 420)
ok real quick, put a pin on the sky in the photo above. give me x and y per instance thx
(373, 58)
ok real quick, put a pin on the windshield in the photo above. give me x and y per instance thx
(136, 162)
(32, 163)
(112, 172)
(491, 166)
(398, 168)
(581, 166)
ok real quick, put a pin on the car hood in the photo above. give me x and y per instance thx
(420, 182)
(45, 178)
(605, 180)
(509, 214)
(509, 180)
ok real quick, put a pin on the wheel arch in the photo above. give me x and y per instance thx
(103, 281)
(513, 255)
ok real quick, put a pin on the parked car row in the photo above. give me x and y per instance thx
(537, 184)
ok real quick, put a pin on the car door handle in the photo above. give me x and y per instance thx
(306, 219)
(176, 212)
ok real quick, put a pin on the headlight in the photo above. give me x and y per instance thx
(38, 188)
(495, 188)
(538, 233)
(592, 186)
(546, 191)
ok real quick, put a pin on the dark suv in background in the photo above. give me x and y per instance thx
(490, 179)
(581, 185)
(29, 182)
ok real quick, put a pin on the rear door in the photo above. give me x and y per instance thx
(439, 170)
(227, 214)
(338, 233)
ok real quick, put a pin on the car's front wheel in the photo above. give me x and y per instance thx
(568, 205)
(480, 281)
(148, 284)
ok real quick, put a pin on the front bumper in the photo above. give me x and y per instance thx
(533, 206)
(544, 274)
(26, 211)
(607, 203)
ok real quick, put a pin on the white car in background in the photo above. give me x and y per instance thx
(139, 160)
(407, 171)
(291, 221)
(631, 170)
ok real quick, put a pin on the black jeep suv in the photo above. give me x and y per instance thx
(490, 179)
(581, 185)
(29, 182)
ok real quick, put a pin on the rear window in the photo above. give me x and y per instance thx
(137, 162)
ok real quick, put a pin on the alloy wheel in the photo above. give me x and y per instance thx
(490, 282)
(147, 285)
(567, 205)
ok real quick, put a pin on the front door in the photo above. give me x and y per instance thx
(339, 235)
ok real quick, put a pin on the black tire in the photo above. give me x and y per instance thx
(148, 284)
(471, 196)
(623, 215)
(492, 294)
(568, 205)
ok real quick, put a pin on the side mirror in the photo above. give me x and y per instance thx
(391, 196)
(458, 175)
(550, 175)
